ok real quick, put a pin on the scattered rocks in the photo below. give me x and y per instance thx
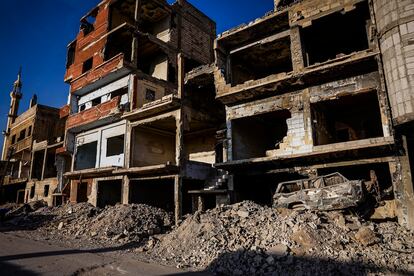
(120, 223)
(248, 239)
(366, 236)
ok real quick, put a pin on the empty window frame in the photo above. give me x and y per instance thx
(87, 22)
(336, 34)
(32, 191)
(87, 65)
(29, 131)
(22, 135)
(70, 59)
(86, 156)
(149, 95)
(13, 139)
(115, 146)
(46, 190)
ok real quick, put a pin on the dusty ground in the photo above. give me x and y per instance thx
(22, 256)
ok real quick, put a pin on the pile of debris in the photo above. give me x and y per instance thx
(120, 223)
(247, 238)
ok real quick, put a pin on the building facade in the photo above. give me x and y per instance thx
(311, 89)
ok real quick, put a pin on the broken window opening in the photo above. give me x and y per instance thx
(119, 42)
(253, 136)
(109, 193)
(190, 64)
(70, 59)
(86, 156)
(154, 143)
(149, 95)
(97, 101)
(32, 191)
(13, 140)
(50, 169)
(260, 61)
(156, 20)
(87, 65)
(82, 192)
(22, 135)
(82, 107)
(346, 119)
(148, 192)
(37, 166)
(120, 92)
(122, 12)
(115, 146)
(153, 60)
(29, 131)
(88, 21)
(336, 35)
(46, 190)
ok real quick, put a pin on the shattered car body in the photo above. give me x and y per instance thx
(329, 192)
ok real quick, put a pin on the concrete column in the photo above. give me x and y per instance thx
(181, 75)
(125, 190)
(296, 49)
(403, 189)
(178, 183)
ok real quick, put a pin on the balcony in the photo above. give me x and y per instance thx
(96, 116)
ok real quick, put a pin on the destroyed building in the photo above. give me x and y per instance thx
(138, 130)
(317, 87)
(163, 112)
(29, 172)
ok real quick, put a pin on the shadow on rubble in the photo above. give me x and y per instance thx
(255, 263)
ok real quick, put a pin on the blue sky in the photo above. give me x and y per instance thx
(35, 34)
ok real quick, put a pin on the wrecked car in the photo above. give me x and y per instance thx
(328, 192)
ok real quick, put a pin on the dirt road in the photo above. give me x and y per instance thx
(20, 256)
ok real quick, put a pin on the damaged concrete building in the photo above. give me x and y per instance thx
(163, 112)
(317, 87)
(29, 172)
(138, 130)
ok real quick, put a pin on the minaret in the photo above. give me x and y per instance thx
(15, 97)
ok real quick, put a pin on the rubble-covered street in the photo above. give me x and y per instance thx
(240, 239)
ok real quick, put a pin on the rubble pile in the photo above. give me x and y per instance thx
(246, 239)
(120, 223)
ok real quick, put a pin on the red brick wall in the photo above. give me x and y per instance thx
(95, 113)
(84, 49)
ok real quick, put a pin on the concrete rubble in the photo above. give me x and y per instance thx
(113, 224)
(247, 238)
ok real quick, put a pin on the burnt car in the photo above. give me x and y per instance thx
(328, 192)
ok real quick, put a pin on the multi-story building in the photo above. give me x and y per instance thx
(23, 166)
(305, 89)
(137, 128)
